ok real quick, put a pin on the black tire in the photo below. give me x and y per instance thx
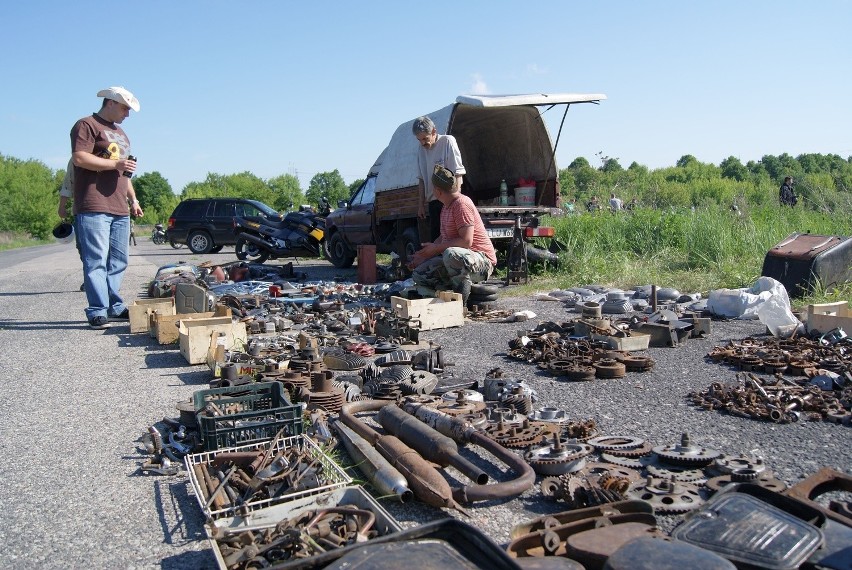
(158, 239)
(216, 249)
(199, 242)
(248, 251)
(479, 299)
(410, 243)
(482, 289)
(175, 244)
(338, 252)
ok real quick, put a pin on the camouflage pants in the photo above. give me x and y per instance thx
(449, 270)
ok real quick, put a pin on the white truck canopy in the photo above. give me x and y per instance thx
(509, 126)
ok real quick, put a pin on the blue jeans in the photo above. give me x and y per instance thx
(103, 250)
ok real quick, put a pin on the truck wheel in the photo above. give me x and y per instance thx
(199, 242)
(339, 253)
(216, 249)
(410, 243)
(248, 251)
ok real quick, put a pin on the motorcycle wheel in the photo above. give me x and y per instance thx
(248, 251)
(158, 239)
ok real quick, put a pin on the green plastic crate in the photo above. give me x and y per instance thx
(253, 413)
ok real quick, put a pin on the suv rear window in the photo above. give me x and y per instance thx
(195, 209)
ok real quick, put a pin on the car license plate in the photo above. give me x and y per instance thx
(500, 232)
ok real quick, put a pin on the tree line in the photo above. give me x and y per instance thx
(29, 190)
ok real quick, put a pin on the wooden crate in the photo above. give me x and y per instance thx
(194, 336)
(442, 312)
(828, 316)
(141, 308)
(164, 327)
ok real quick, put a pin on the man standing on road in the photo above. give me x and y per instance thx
(435, 149)
(100, 150)
(463, 254)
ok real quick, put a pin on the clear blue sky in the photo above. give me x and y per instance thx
(307, 87)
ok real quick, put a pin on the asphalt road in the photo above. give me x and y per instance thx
(74, 402)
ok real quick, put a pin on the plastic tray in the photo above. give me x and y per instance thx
(333, 475)
(270, 516)
(244, 398)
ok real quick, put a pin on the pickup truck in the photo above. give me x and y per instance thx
(500, 138)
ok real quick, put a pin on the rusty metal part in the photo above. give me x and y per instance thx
(613, 442)
(637, 363)
(550, 415)
(629, 462)
(557, 458)
(631, 475)
(463, 432)
(726, 464)
(518, 436)
(632, 452)
(386, 478)
(579, 373)
(609, 368)
(667, 496)
(676, 472)
(686, 453)
(548, 522)
(426, 483)
(428, 442)
(765, 479)
(823, 481)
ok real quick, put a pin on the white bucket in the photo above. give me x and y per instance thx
(525, 196)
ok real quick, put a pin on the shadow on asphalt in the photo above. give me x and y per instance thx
(24, 293)
(11, 324)
(188, 525)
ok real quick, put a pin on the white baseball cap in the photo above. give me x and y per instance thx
(121, 95)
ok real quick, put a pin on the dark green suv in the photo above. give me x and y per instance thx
(206, 225)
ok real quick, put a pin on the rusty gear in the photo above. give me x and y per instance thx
(632, 452)
(557, 458)
(766, 480)
(685, 453)
(611, 442)
(667, 496)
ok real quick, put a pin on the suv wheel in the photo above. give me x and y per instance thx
(199, 242)
(338, 252)
(410, 243)
(248, 251)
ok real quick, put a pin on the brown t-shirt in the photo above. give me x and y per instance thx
(103, 192)
(462, 213)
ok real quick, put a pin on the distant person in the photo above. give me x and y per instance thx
(132, 232)
(66, 197)
(434, 149)
(463, 254)
(571, 206)
(615, 203)
(103, 189)
(593, 205)
(632, 204)
(786, 193)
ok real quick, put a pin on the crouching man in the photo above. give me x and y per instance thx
(463, 254)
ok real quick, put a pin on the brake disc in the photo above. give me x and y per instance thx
(609, 368)
(685, 453)
(579, 373)
(637, 363)
(667, 496)
(727, 464)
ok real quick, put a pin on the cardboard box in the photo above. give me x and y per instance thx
(194, 336)
(828, 316)
(141, 308)
(442, 312)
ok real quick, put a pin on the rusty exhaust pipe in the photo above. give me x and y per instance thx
(427, 484)
(428, 442)
(382, 475)
(464, 432)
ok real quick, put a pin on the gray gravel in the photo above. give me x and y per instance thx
(74, 402)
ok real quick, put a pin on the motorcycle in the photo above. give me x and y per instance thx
(297, 234)
(158, 236)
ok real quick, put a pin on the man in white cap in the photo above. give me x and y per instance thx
(104, 200)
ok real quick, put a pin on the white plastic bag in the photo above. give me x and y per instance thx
(766, 300)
